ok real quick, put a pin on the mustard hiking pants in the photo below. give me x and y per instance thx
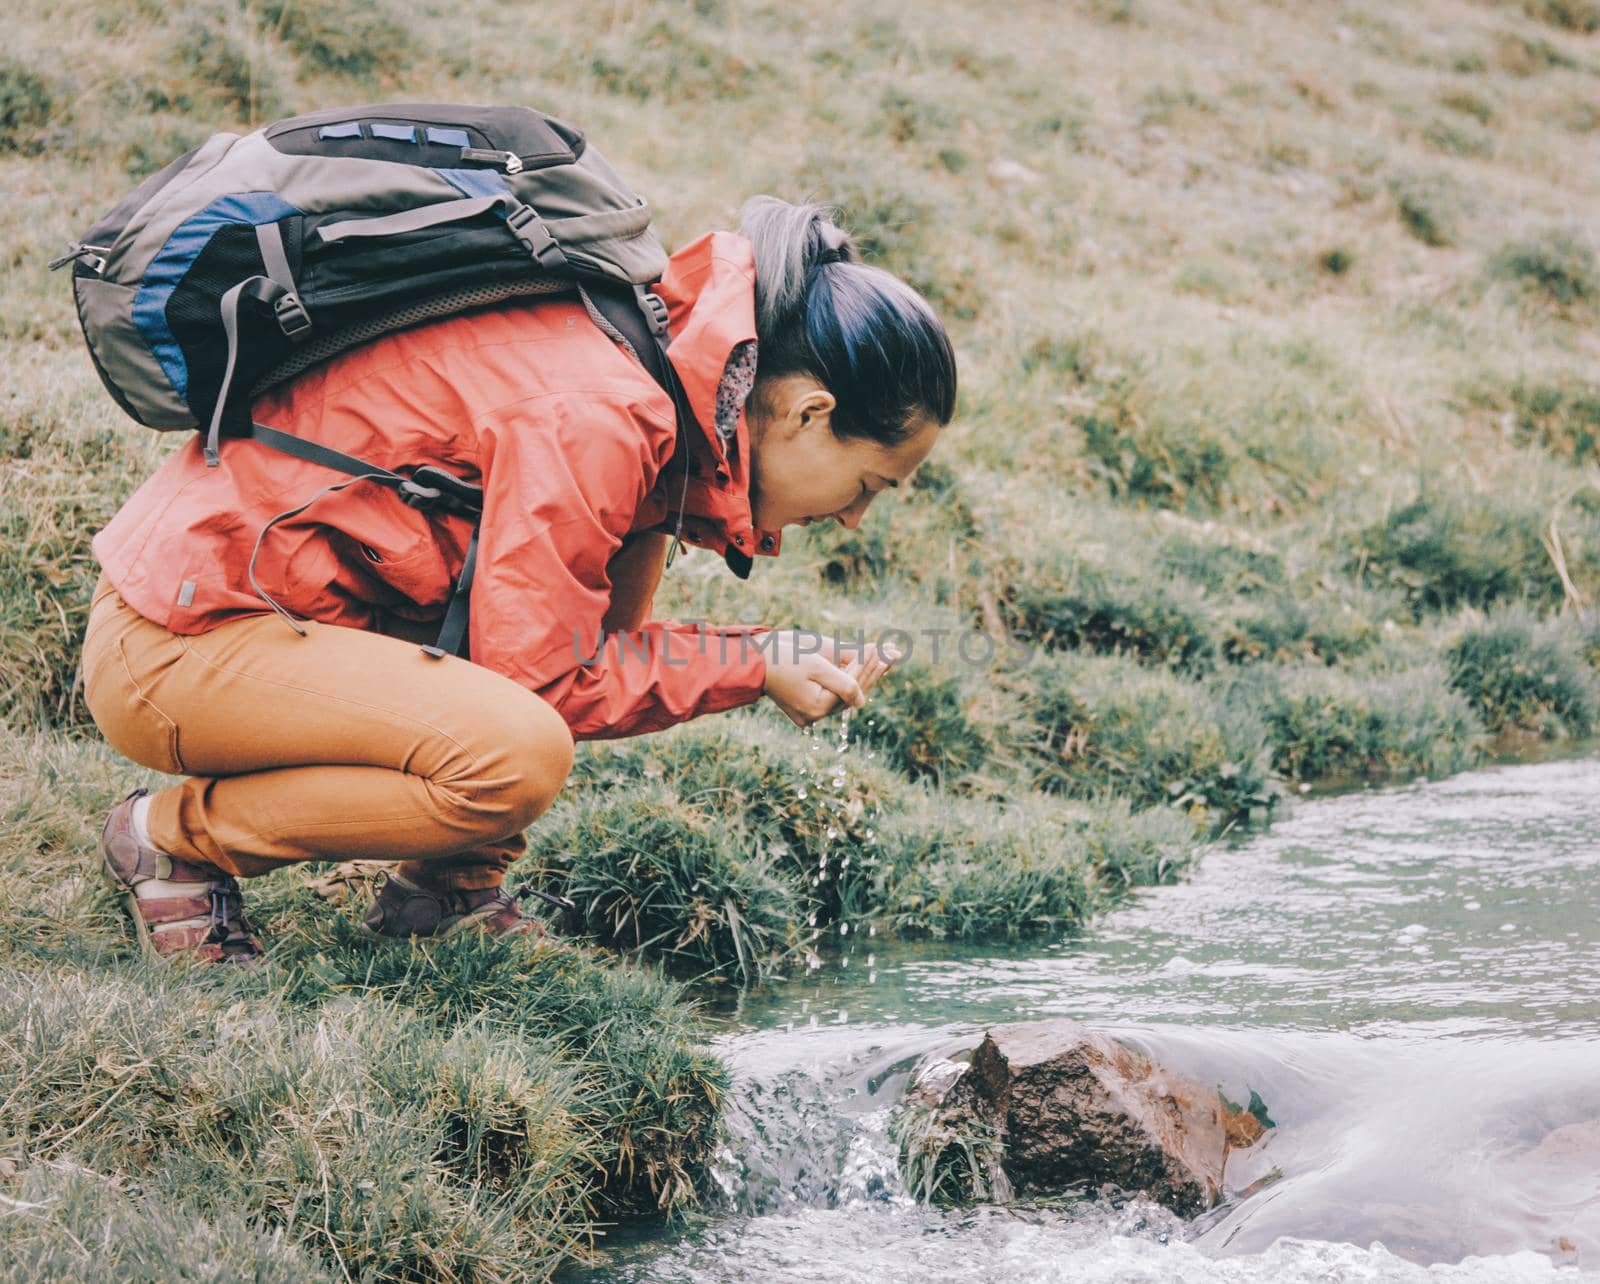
(339, 745)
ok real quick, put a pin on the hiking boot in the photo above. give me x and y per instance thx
(206, 922)
(402, 908)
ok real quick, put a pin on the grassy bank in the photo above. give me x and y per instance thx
(1274, 467)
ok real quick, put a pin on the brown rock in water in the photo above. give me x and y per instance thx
(1070, 1107)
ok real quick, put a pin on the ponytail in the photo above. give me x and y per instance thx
(861, 332)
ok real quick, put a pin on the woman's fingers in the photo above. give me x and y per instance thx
(808, 687)
(842, 683)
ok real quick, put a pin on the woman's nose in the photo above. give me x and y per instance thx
(851, 517)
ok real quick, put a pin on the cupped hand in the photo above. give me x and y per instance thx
(809, 684)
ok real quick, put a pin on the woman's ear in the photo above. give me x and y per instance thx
(814, 408)
(789, 405)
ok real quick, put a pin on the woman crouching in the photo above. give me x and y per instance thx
(314, 728)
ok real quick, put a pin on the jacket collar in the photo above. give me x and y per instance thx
(709, 290)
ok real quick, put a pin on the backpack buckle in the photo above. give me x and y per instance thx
(93, 257)
(654, 307)
(429, 488)
(293, 319)
(421, 498)
(529, 228)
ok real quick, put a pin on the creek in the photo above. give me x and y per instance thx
(1409, 978)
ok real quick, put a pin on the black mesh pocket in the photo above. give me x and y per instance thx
(194, 314)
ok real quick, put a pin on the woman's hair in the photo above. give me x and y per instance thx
(863, 333)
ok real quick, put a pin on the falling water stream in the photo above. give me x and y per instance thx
(1409, 978)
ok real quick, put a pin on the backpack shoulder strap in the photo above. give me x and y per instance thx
(636, 318)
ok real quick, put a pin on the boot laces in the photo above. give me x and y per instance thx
(560, 902)
(227, 906)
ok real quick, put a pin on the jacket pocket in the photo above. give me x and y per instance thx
(412, 581)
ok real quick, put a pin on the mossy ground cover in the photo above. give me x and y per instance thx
(1273, 466)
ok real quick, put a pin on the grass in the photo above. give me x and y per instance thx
(26, 105)
(1145, 735)
(1429, 206)
(1563, 418)
(1557, 266)
(1271, 465)
(1332, 727)
(1525, 675)
(659, 875)
(470, 1109)
(1450, 548)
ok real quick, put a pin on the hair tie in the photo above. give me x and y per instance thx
(836, 243)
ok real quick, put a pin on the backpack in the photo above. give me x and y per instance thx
(252, 258)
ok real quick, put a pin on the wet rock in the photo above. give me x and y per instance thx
(1053, 1106)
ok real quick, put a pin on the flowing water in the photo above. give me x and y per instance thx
(1410, 979)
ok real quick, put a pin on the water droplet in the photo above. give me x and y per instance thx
(872, 960)
(844, 929)
(871, 977)
(872, 930)
(832, 832)
(802, 791)
(811, 919)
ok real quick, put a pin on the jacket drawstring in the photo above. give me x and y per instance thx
(250, 569)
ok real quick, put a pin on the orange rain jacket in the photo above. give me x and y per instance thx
(575, 447)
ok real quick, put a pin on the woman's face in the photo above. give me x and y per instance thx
(800, 472)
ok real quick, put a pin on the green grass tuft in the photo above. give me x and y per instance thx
(71, 1223)
(959, 871)
(56, 486)
(1083, 607)
(922, 726)
(1582, 16)
(1563, 418)
(1429, 206)
(1558, 266)
(27, 104)
(1526, 676)
(1332, 726)
(1447, 549)
(1099, 727)
(361, 41)
(659, 876)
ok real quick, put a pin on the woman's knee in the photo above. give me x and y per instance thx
(522, 757)
(545, 760)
